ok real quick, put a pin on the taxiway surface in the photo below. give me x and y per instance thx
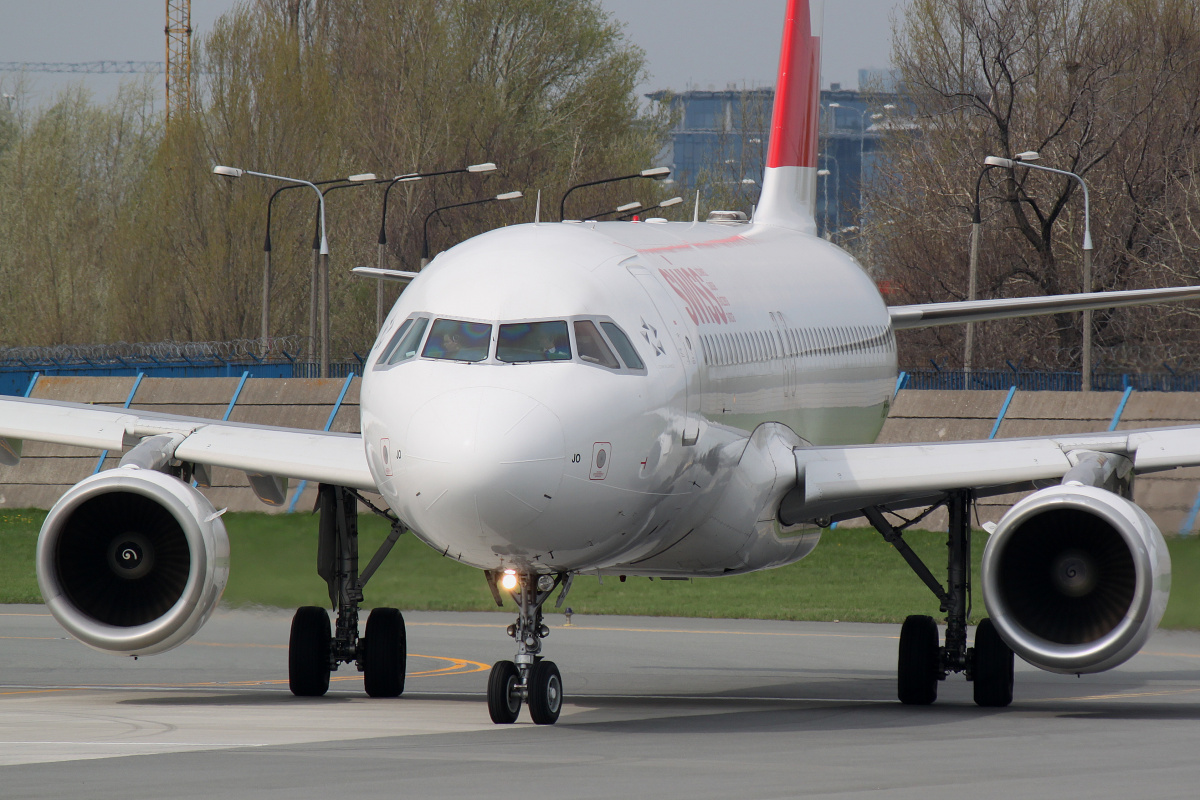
(655, 707)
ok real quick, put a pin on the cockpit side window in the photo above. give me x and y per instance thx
(534, 341)
(455, 340)
(406, 342)
(591, 345)
(392, 342)
(624, 346)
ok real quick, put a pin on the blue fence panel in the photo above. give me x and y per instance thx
(1038, 381)
(15, 380)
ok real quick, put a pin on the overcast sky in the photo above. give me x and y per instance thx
(696, 43)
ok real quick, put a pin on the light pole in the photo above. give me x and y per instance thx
(656, 173)
(1024, 158)
(410, 177)
(425, 225)
(973, 262)
(674, 201)
(319, 301)
(235, 172)
(621, 209)
(266, 299)
(824, 173)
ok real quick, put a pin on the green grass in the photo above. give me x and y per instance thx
(853, 575)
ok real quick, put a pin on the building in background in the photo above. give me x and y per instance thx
(721, 137)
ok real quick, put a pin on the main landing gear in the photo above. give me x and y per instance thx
(528, 678)
(922, 662)
(314, 650)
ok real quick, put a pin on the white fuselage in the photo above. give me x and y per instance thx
(571, 465)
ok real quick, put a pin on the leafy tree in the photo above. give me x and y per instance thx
(165, 250)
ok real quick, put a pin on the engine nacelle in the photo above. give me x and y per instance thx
(132, 561)
(1076, 578)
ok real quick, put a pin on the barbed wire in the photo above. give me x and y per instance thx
(280, 348)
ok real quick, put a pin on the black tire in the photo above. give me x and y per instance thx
(503, 693)
(919, 666)
(545, 693)
(308, 652)
(993, 668)
(386, 653)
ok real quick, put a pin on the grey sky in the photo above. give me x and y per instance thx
(696, 42)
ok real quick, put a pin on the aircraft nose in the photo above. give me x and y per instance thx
(483, 460)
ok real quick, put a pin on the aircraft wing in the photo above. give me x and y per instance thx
(926, 315)
(837, 482)
(258, 450)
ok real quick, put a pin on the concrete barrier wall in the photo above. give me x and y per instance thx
(47, 471)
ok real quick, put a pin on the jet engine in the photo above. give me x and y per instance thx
(1075, 578)
(132, 561)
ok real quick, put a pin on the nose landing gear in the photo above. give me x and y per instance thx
(529, 678)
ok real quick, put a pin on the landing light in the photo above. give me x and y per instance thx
(509, 581)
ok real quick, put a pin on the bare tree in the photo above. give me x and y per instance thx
(1101, 88)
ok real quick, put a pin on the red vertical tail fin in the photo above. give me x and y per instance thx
(789, 189)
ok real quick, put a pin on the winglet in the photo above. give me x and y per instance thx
(789, 192)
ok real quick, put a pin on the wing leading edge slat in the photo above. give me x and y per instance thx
(927, 315)
(336, 458)
(833, 481)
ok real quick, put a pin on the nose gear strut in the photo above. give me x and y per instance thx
(528, 677)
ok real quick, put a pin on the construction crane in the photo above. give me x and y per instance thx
(178, 64)
(179, 57)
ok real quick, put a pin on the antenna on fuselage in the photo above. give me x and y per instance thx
(696, 214)
(537, 211)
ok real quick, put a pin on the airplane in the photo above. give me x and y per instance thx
(673, 400)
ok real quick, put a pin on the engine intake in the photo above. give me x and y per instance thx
(132, 561)
(1076, 578)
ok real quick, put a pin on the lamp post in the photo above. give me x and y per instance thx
(973, 260)
(266, 299)
(425, 225)
(621, 209)
(235, 172)
(656, 173)
(674, 201)
(1022, 160)
(824, 173)
(410, 177)
(318, 304)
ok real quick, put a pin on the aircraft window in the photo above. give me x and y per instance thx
(534, 341)
(591, 346)
(391, 345)
(624, 346)
(408, 341)
(454, 340)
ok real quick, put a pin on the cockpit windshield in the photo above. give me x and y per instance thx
(405, 343)
(591, 345)
(591, 341)
(534, 341)
(454, 340)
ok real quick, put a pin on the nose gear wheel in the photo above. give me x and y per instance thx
(528, 678)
